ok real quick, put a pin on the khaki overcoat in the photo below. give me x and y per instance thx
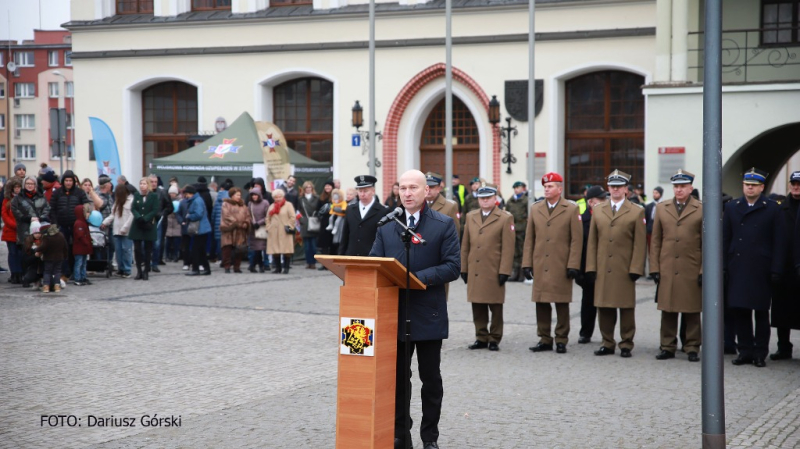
(553, 243)
(278, 241)
(447, 207)
(676, 252)
(616, 248)
(487, 251)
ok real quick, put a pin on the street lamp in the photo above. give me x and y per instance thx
(358, 116)
(506, 131)
(358, 122)
(70, 111)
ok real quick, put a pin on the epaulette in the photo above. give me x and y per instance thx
(538, 201)
(637, 205)
(573, 202)
(507, 212)
(451, 201)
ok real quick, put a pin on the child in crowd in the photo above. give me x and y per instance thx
(32, 263)
(53, 251)
(338, 207)
(81, 245)
(173, 226)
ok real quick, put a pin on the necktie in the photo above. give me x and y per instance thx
(411, 222)
(613, 209)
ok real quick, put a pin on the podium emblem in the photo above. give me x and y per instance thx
(357, 337)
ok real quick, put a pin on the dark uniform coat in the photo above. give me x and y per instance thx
(435, 264)
(676, 252)
(446, 207)
(487, 250)
(359, 234)
(752, 239)
(786, 302)
(616, 248)
(553, 243)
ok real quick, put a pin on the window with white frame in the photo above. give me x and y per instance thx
(2, 89)
(25, 152)
(55, 154)
(69, 87)
(2, 121)
(25, 121)
(52, 58)
(23, 58)
(2, 152)
(24, 90)
(53, 89)
(68, 58)
(70, 119)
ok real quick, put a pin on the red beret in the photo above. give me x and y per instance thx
(551, 177)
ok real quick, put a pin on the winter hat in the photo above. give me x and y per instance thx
(189, 189)
(103, 179)
(173, 189)
(49, 177)
(35, 227)
(201, 179)
(43, 226)
(20, 166)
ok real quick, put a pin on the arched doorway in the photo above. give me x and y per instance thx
(604, 128)
(466, 142)
(768, 151)
(169, 117)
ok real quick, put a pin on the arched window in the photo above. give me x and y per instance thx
(303, 110)
(466, 141)
(169, 118)
(604, 128)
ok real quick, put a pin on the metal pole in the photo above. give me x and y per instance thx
(448, 100)
(713, 388)
(531, 101)
(371, 142)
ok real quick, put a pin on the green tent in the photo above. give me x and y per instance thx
(231, 154)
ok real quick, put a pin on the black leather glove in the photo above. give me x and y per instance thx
(656, 277)
(528, 273)
(633, 276)
(502, 278)
(700, 280)
(572, 273)
(591, 276)
(776, 278)
(464, 277)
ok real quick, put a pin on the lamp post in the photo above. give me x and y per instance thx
(358, 121)
(70, 111)
(505, 131)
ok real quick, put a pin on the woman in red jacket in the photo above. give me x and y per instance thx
(10, 232)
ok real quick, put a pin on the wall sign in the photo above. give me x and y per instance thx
(670, 159)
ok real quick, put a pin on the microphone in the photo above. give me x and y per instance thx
(390, 216)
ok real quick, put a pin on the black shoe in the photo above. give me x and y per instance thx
(155, 269)
(236, 270)
(730, 351)
(398, 444)
(561, 348)
(493, 346)
(541, 347)
(260, 268)
(227, 271)
(251, 269)
(430, 445)
(138, 275)
(146, 275)
(584, 340)
(664, 355)
(781, 355)
(161, 262)
(741, 360)
(478, 345)
(206, 272)
(604, 351)
(759, 362)
(193, 273)
(693, 357)
(625, 353)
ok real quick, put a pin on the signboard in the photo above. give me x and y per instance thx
(670, 159)
(356, 140)
(357, 337)
(276, 156)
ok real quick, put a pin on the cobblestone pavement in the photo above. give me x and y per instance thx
(249, 360)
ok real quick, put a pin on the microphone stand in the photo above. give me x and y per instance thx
(407, 236)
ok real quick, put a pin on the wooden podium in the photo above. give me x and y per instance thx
(366, 379)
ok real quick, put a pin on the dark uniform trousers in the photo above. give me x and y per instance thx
(607, 320)
(519, 244)
(480, 316)
(429, 357)
(691, 336)
(544, 318)
(751, 346)
(588, 310)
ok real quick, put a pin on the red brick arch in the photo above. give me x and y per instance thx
(401, 102)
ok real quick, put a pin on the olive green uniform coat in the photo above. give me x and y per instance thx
(616, 248)
(487, 251)
(553, 243)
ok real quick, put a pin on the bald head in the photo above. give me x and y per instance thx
(413, 189)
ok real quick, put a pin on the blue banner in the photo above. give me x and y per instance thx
(105, 149)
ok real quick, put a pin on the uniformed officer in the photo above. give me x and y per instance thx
(487, 254)
(615, 258)
(438, 202)
(552, 254)
(471, 201)
(676, 265)
(594, 195)
(785, 306)
(361, 219)
(517, 206)
(753, 253)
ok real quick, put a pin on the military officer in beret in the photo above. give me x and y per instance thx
(753, 258)
(487, 254)
(785, 306)
(552, 254)
(438, 202)
(676, 265)
(517, 206)
(615, 259)
(361, 219)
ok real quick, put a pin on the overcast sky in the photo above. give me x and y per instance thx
(28, 15)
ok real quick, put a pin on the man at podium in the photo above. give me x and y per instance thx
(435, 264)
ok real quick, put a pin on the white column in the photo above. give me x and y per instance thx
(680, 40)
(663, 41)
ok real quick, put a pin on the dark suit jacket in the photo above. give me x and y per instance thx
(358, 234)
(752, 249)
(435, 264)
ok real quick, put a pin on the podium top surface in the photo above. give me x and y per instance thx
(387, 266)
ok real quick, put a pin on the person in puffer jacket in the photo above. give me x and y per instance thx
(62, 212)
